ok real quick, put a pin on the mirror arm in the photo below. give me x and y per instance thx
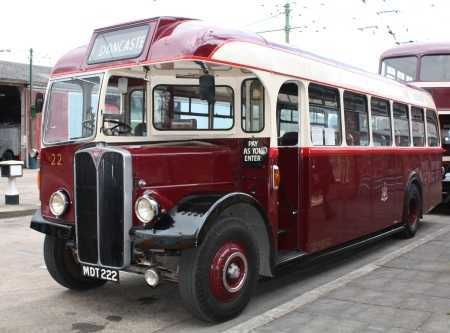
(203, 66)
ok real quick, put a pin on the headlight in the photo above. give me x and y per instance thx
(146, 208)
(58, 203)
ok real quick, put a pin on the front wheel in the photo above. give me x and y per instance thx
(63, 268)
(217, 279)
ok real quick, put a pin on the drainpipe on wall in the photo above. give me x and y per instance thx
(29, 122)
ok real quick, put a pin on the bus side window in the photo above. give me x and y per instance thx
(324, 116)
(401, 125)
(252, 101)
(432, 127)
(381, 122)
(356, 119)
(418, 127)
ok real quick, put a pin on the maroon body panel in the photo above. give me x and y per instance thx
(57, 174)
(346, 195)
(171, 171)
(441, 97)
(175, 170)
(331, 196)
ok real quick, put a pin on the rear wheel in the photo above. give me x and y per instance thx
(412, 212)
(63, 268)
(217, 279)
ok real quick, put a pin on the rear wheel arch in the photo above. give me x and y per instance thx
(249, 211)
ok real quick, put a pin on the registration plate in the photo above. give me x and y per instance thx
(101, 273)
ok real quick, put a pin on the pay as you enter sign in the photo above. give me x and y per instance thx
(254, 153)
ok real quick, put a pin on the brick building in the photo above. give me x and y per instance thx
(20, 128)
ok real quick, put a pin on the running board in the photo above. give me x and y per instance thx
(289, 256)
(285, 257)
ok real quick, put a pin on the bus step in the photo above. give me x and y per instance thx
(286, 256)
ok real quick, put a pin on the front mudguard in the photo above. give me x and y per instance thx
(182, 227)
(187, 223)
(179, 228)
(58, 230)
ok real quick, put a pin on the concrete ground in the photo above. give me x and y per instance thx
(28, 195)
(409, 293)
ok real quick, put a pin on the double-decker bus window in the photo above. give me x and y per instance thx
(435, 68)
(356, 119)
(179, 107)
(401, 125)
(287, 115)
(252, 111)
(381, 122)
(324, 116)
(400, 69)
(432, 129)
(418, 127)
(72, 109)
(125, 111)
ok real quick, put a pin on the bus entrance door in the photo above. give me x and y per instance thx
(288, 163)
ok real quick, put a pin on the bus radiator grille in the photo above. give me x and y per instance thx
(99, 188)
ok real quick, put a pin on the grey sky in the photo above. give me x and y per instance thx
(347, 30)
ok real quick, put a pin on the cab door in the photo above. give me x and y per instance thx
(287, 114)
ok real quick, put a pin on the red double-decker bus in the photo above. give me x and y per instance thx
(426, 65)
(210, 157)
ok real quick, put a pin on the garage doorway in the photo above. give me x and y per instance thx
(10, 122)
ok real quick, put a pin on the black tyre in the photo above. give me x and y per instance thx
(63, 268)
(218, 278)
(411, 212)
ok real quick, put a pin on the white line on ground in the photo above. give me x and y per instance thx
(312, 295)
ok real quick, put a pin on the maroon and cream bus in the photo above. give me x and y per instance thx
(210, 157)
(426, 65)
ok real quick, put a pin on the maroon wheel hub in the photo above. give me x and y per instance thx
(228, 271)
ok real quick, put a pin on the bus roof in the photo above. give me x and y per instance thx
(417, 49)
(171, 39)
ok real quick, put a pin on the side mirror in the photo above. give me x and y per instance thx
(39, 102)
(207, 87)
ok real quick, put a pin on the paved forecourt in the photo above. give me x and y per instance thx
(408, 292)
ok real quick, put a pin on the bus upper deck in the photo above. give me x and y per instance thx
(425, 65)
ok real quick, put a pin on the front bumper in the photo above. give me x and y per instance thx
(169, 239)
(58, 230)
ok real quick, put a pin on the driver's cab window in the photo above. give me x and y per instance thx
(125, 113)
